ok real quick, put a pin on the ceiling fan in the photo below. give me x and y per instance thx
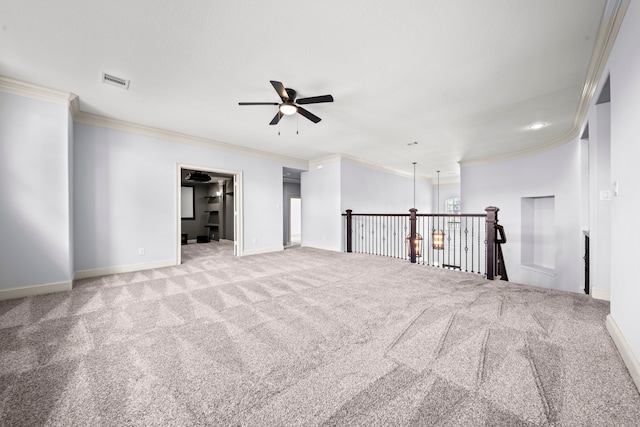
(290, 105)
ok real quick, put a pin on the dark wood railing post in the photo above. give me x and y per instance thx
(412, 234)
(492, 219)
(349, 231)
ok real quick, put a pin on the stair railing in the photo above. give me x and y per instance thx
(465, 242)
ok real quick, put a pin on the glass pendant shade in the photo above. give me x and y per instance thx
(438, 239)
(417, 243)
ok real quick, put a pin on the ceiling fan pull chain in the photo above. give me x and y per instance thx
(297, 123)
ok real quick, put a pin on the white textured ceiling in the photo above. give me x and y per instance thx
(464, 79)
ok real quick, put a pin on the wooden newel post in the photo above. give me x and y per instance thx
(492, 220)
(412, 234)
(349, 231)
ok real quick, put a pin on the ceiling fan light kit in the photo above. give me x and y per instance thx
(288, 108)
(290, 105)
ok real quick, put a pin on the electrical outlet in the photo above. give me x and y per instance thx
(140, 251)
(605, 195)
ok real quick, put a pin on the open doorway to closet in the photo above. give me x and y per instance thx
(208, 211)
(292, 208)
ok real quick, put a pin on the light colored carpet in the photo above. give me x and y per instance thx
(309, 337)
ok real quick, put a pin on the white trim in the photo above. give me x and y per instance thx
(97, 272)
(105, 122)
(263, 251)
(41, 93)
(74, 106)
(628, 357)
(28, 291)
(324, 160)
(539, 269)
(602, 294)
(238, 214)
(324, 248)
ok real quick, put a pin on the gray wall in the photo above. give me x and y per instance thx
(504, 183)
(625, 152)
(35, 218)
(328, 189)
(127, 211)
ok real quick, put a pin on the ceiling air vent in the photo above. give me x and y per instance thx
(115, 81)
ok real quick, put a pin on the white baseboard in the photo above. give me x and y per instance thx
(603, 294)
(629, 358)
(324, 248)
(263, 251)
(28, 291)
(97, 272)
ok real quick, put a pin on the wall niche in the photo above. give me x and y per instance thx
(538, 251)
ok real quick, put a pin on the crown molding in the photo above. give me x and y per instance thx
(450, 181)
(40, 93)
(105, 122)
(361, 162)
(324, 160)
(376, 166)
(609, 26)
(566, 137)
(606, 38)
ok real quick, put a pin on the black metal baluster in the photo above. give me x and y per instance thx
(479, 248)
(369, 235)
(446, 225)
(466, 243)
(424, 238)
(472, 244)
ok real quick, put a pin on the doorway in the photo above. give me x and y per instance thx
(213, 211)
(295, 221)
(291, 207)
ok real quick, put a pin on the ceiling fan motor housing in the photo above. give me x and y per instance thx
(292, 94)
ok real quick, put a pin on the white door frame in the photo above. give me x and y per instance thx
(238, 246)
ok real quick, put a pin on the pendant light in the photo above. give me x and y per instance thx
(438, 235)
(417, 242)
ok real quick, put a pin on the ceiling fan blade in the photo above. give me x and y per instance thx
(276, 118)
(308, 115)
(315, 99)
(279, 87)
(258, 103)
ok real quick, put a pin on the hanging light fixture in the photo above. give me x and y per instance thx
(416, 243)
(438, 235)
